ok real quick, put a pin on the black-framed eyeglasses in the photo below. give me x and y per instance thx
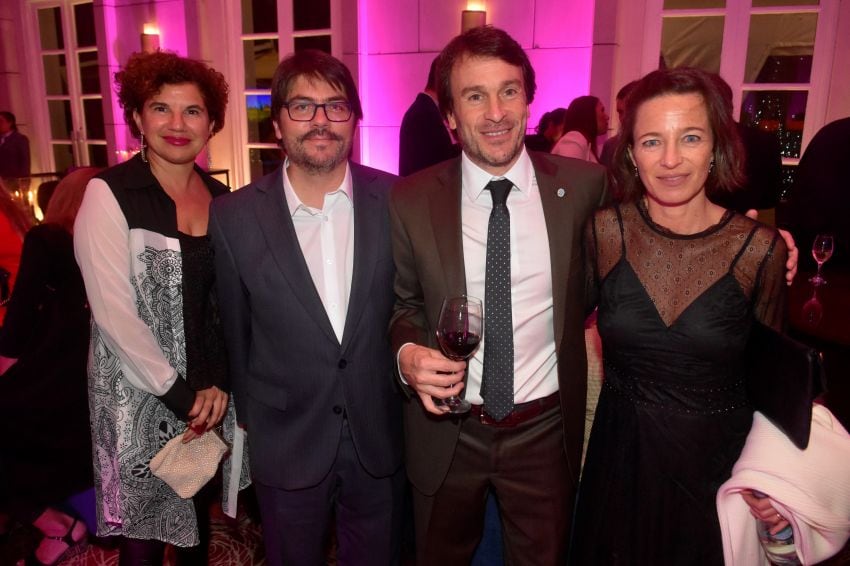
(302, 111)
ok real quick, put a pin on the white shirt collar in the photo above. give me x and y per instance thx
(294, 203)
(474, 179)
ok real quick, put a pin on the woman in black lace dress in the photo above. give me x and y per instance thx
(679, 282)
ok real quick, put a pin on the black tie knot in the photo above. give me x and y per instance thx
(499, 189)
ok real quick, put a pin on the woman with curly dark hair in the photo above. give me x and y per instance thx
(157, 367)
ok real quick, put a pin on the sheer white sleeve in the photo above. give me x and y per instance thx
(102, 248)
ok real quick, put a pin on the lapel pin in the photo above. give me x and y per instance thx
(561, 192)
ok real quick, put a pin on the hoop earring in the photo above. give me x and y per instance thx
(142, 147)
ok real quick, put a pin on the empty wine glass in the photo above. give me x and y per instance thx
(822, 249)
(459, 333)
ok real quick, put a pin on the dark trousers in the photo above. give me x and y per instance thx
(526, 467)
(296, 523)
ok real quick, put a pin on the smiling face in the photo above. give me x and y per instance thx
(317, 146)
(489, 111)
(673, 148)
(175, 123)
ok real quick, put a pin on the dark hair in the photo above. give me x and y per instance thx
(725, 91)
(432, 76)
(45, 193)
(485, 41)
(10, 118)
(728, 152)
(581, 117)
(313, 64)
(555, 116)
(145, 74)
(626, 89)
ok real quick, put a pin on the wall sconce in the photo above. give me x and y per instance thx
(472, 19)
(150, 38)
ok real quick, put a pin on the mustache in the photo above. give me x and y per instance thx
(322, 133)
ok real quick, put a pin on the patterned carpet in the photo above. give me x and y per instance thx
(234, 543)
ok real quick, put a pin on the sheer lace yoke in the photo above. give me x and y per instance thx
(675, 270)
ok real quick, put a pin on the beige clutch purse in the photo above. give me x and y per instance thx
(188, 467)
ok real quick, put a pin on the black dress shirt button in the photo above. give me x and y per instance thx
(342, 364)
(337, 409)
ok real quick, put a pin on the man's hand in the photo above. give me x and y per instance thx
(793, 253)
(431, 374)
(207, 412)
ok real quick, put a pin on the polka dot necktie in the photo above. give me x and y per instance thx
(497, 386)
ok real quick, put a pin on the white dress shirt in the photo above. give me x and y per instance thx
(535, 360)
(326, 237)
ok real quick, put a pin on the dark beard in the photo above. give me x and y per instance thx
(299, 156)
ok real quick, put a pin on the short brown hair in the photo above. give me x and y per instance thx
(728, 151)
(485, 41)
(65, 202)
(312, 63)
(145, 73)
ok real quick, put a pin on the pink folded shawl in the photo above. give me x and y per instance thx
(810, 488)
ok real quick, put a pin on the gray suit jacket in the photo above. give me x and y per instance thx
(292, 379)
(428, 252)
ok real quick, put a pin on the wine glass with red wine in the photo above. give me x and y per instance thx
(459, 333)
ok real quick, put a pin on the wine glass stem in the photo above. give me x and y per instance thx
(820, 264)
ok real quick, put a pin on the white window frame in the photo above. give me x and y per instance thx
(286, 42)
(41, 119)
(736, 26)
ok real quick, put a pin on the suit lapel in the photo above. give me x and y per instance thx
(276, 224)
(558, 212)
(444, 211)
(369, 211)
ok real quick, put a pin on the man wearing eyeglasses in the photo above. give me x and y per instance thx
(305, 280)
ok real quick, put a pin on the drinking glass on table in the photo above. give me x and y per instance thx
(822, 249)
(459, 333)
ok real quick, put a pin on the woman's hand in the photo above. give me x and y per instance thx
(207, 412)
(762, 510)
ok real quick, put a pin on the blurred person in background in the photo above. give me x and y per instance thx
(43, 354)
(548, 131)
(584, 121)
(611, 143)
(14, 223)
(424, 139)
(14, 150)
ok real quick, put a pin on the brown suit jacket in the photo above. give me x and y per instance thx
(428, 253)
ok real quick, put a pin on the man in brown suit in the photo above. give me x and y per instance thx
(525, 449)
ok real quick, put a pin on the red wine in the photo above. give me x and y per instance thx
(458, 345)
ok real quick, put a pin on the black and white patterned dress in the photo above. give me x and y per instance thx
(154, 340)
